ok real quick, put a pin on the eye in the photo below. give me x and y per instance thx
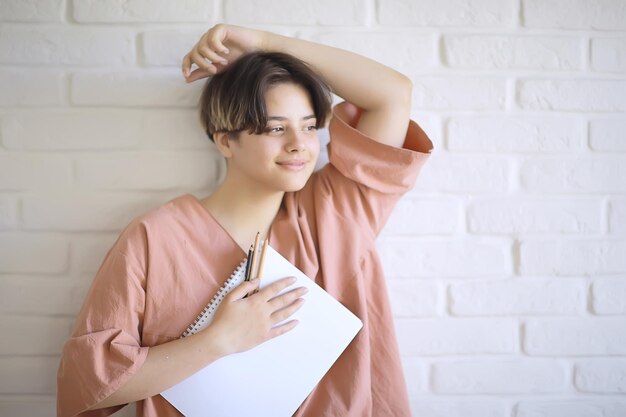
(310, 128)
(275, 129)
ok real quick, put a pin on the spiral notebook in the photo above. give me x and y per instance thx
(276, 376)
(206, 316)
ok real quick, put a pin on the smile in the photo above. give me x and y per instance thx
(293, 165)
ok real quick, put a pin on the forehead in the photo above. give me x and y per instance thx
(288, 99)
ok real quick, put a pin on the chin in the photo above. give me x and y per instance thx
(294, 183)
(292, 188)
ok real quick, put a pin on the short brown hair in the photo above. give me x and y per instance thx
(234, 100)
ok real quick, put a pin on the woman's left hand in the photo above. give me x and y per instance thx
(219, 47)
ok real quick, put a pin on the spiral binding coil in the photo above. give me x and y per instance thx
(206, 316)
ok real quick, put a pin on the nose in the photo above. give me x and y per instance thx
(295, 142)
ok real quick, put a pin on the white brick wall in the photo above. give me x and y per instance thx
(506, 264)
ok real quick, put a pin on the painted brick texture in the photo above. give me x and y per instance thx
(506, 263)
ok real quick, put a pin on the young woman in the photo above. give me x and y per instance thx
(266, 97)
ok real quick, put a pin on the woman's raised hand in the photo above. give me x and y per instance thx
(219, 47)
(242, 323)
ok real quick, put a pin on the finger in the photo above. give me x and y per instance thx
(211, 55)
(286, 312)
(215, 38)
(242, 289)
(186, 66)
(198, 74)
(283, 328)
(271, 290)
(200, 61)
(217, 45)
(283, 300)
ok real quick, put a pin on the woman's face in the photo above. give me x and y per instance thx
(283, 157)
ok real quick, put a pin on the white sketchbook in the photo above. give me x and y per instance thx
(276, 376)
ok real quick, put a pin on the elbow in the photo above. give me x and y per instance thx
(399, 94)
(405, 90)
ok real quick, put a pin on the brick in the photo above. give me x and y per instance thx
(518, 297)
(617, 216)
(572, 257)
(608, 296)
(85, 211)
(28, 375)
(67, 46)
(18, 252)
(601, 407)
(404, 257)
(602, 375)
(464, 174)
(577, 336)
(416, 375)
(320, 12)
(145, 88)
(453, 407)
(412, 298)
(528, 216)
(608, 54)
(28, 406)
(33, 335)
(39, 295)
(478, 13)
(512, 52)
(572, 95)
(167, 47)
(607, 135)
(118, 11)
(489, 376)
(516, 134)
(407, 52)
(580, 174)
(31, 11)
(103, 129)
(147, 171)
(413, 216)
(8, 212)
(457, 336)
(22, 171)
(459, 93)
(584, 14)
(18, 88)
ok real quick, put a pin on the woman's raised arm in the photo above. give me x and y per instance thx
(382, 93)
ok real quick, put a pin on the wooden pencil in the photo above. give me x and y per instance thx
(260, 270)
(255, 250)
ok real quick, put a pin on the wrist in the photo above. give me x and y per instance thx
(214, 340)
(271, 42)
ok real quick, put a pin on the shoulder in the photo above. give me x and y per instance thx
(166, 218)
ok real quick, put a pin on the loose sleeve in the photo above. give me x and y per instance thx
(365, 178)
(105, 350)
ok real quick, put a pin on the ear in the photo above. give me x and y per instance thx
(222, 141)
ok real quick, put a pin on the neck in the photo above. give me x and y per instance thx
(243, 209)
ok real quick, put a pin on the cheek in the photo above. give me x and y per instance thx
(315, 146)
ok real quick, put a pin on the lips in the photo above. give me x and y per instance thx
(293, 164)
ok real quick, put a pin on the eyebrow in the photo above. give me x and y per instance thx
(282, 119)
